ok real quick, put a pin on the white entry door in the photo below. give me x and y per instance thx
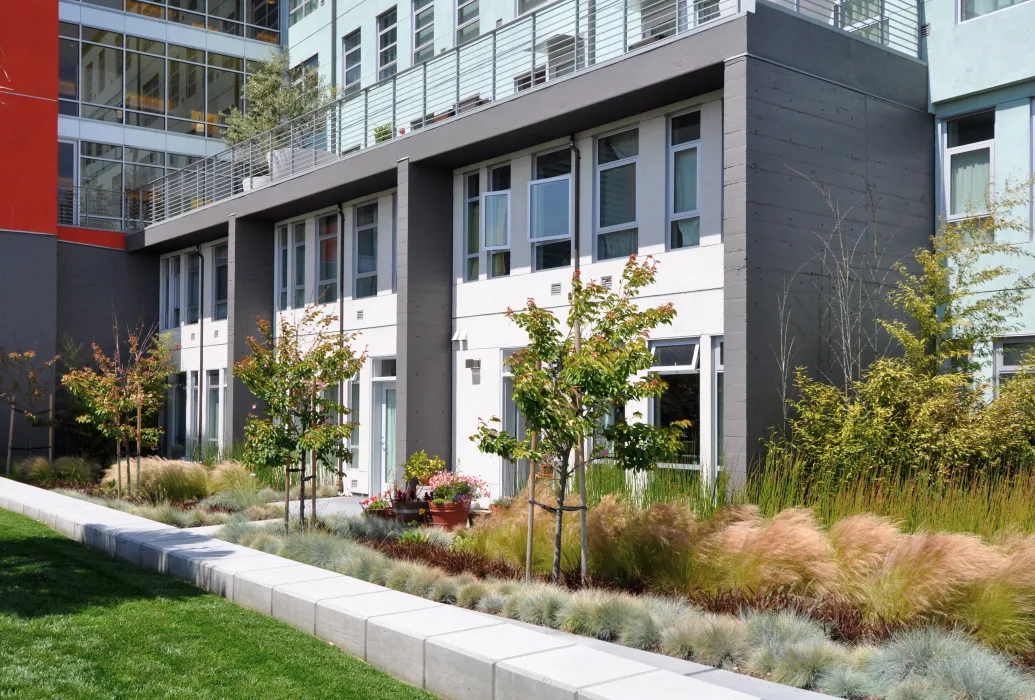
(382, 475)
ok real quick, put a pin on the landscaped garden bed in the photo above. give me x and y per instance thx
(861, 611)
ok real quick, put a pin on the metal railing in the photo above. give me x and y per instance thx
(95, 208)
(558, 39)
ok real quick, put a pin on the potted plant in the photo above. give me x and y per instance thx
(420, 468)
(407, 508)
(377, 506)
(500, 505)
(452, 495)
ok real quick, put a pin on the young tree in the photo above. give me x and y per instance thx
(120, 395)
(23, 387)
(275, 97)
(290, 371)
(565, 389)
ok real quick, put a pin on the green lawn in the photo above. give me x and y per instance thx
(76, 624)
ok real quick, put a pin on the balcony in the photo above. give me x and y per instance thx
(94, 208)
(557, 40)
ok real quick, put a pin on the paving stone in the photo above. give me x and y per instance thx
(185, 562)
(343, 621)
(254, 589)
(129, 544)
(559, 674)
(462, 665)
(154, 554)
(660, 685)
(217, 575)
(295, 603)
(395, 643)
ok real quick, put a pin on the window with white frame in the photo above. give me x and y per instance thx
(968, 163)
(969, 9)
(423, 30)
(350, 59)
(298, 264)
(514, 475)
(213, 416)
(193, 407)
(496, 225)
(1010, 356)
(283, 269)
(466, 21)
(387, 44)
(549, 210)
(354, 417)
(171, 292)
(176, 416)
(684, 171)
(366, 250)
(221, 275)
(617, 156)
(193, 287)
(472, 226)
(327, 266)
(678, 363)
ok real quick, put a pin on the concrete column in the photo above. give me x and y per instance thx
(250, 296)
(734, 237)
(424, 380)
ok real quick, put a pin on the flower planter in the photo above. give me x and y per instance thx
(449, 515)
(408, 512)
(383, 513)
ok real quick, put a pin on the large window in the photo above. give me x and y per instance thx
(969, 9)
(327, 249)
(220, 295)
(1010, 356)
(616, 195)
(214, 414)
(283, 268)
(472, 226)
(677, 362)
(467, 26)
(683, 168)
(496, 209)
(366, 250)
(387, 44)
(298, 267)
(423, 30)
(549, 210)
(969, 144)
(100, 177)
(125, 79)
(254, 19)
(350, 58)
(515, 475)
(171, 292)
(193, 287)
(299, 9)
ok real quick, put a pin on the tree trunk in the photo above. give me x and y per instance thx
(314, 488)
(580, 466)
(301, 492)
(139, 428)
(50, 431)
(287, 497)
(129, 471)
(10, 439)
(561, 487)
(532, 473)
(118, 465)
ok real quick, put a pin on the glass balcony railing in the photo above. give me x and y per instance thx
(558, 39)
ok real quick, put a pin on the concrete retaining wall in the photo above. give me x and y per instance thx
(455, 653)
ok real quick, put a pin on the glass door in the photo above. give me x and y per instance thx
(382, 474)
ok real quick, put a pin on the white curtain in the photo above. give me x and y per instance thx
(496, 219)
(684, 197)
(618, 244)
(686, 232)
(550, 209)
(969, 179)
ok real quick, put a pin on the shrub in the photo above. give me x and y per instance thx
(492, 602)
(470, 593)
(167, 480)
(76, 470)
(719, 641)
(230, 475)
(770, 634)
(542, 605)
(34, 470)
(845, 682)
(800, 665)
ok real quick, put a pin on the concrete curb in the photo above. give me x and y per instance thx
(457, 654)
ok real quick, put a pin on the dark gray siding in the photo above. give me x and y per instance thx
(801, 153)
(424, 376)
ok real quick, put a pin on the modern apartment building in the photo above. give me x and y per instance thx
(983, 97)
(452, 178)
(99, 98)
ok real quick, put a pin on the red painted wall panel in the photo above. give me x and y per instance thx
(28, 117)
(94, 237)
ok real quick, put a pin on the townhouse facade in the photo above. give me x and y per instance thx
(439, 192)
(983, 98)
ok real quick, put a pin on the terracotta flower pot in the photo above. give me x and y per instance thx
(450, 515)
(385, 513)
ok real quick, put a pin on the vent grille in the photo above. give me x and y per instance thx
(925, 29)
(355, 483)
(606, 281)
(359, 315)
(555, 289)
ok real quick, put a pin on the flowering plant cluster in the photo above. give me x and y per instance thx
(451, 486)
(378, 501)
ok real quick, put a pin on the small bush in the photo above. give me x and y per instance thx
(34, 470)
(444, 590)
(470, 593)
(542, 605)
(76, 471)
(845, 682)
(800, 665)
(492, 602)
(719, 641)
(232, 476)
(166, 480)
